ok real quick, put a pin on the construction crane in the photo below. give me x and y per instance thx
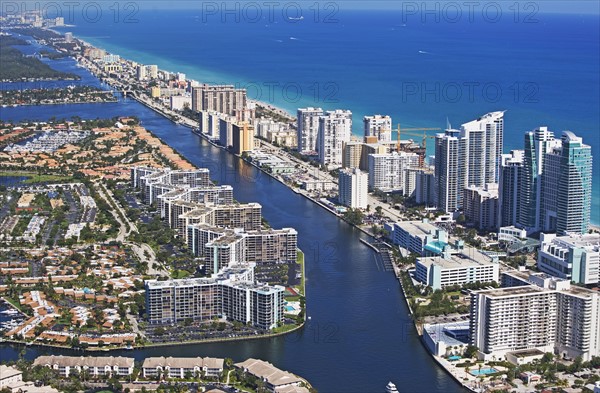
(425, 136)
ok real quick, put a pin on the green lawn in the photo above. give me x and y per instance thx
(177, 274)
(33, 177)
(284, 328)
(300, 261)
(14, 303)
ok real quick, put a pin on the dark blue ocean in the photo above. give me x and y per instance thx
(422, 69)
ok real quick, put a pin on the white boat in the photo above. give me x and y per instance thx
(391, 388)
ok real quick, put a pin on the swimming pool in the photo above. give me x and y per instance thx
(483, 371)
(289, 308)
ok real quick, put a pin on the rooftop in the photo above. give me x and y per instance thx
(90, 361)
(417, 227)
(588, 241)
(177, 362)
(442, 332)
(8, 372)
(267, 371)
(512, 291)
(467, 257)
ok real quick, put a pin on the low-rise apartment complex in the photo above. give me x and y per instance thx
(416, 235)
(175, 367)
(94, 365)
(456, 266)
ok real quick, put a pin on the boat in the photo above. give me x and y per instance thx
(391, 388)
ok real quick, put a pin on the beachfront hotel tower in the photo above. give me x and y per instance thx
(574, 186)
(484, 140)
(556, 183)
(467, 157)
(511, 168)
(537, 143)
(450, 149)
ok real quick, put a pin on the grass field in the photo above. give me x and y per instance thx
(300, 261)
(33, 177)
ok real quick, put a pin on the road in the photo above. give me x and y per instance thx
(134, 325)
(123, 228)
(140, 251)
(143, 251)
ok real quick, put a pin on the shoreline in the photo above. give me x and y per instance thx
(62, 103)
(419, 331)
(153, 345)
(272, 107)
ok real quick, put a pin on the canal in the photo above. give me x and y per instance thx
(359, 336)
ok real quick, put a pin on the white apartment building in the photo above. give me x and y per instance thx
(353, 188)
(387, 171)
(379, 126)
(175, 367)
(419, 183)
(10, 376)
(480, 205)
(308, 129)
(415, 235)
(178, 103)
(548, 314)
(209, 124)
(232, 294)
(511, 234)
(94, 365)
(335, 129)
(456, 267)
(573, 257)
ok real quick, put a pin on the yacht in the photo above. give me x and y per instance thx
(391, 388)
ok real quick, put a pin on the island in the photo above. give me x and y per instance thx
(15, 66)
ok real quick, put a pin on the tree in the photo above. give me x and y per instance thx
(228, 363)
(471, 351)
(548, 357)
(354, 216)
